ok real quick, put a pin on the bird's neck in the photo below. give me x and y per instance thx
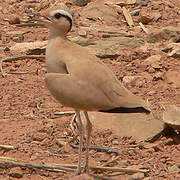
(54, 33)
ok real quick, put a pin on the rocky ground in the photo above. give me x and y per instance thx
(145, 57)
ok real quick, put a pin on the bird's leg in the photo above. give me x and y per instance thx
(88, 129)
(81, 140)
(74, 126)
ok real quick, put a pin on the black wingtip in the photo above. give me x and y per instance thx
(126, 110)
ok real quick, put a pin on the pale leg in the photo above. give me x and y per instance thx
(81, 140)
(88, 129)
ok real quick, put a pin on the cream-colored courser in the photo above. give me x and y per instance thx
(79, 79)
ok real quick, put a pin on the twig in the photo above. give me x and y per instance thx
(6, 162)
(98, 148)
(19, 72)
(128, 17)
(1, 69)
(7, 147)
(117, 169)
(117, 174)
(23, 57)
(18, 58)
(61, 155)
(143, 28)
(29, 24)
(73, 139)
(65, 113)
(111, 161)
(100, 177)
(38, 105)
(113, 169)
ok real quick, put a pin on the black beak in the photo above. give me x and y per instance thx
(35, 16)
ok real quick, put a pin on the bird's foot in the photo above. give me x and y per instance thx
(86, 169)
(75, 173)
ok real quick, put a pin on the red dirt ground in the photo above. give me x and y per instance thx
(33, 129)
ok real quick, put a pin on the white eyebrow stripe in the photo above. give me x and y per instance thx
(63, 12)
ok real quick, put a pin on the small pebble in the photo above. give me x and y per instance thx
(136, 176)
(157, 17)
(16, 172)
(135, 12)
(14, 20)
(143, 3)
(82, 33)
(81, 2)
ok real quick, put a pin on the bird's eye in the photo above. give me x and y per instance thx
(57, 15)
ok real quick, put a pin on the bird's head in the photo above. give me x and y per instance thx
(58, 19)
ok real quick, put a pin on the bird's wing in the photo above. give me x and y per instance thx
(99, 76)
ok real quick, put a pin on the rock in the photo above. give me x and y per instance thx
(173, 77)
(29, 117)
(16, 172)
(151, 70)
(140, 126)
(176, 139)
(60, 143)
(157, 16)
(175, 53)
(129, 79)
(172, 46)
(134, 80)
(153, 61)
(136, 176)
(36, 51)
(143, 3)
(82, 33)
(120, 2)
(13, 33)
(130, 2)
(145, 19)
(34, 156)
(14, 20)
(99, 11)
(176, 39)
(171, 116)
(110, 48)
(158, 76)
(166, 49)
(6, 49)
(135, 12)
(18, 38)
(174, 169)
(115, 142)
(28, 46)
(156, 146)
(124, 163)
(115, 2)
(81, 2)
(82, 177)
(39, 136)
(166, 33)
(43, 4)
(82, 41)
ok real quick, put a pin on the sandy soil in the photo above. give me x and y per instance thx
(27, 110)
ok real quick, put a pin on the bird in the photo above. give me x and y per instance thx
(78, 79)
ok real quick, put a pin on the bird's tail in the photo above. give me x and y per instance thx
(127, 110)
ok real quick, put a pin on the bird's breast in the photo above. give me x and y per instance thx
(54, 61)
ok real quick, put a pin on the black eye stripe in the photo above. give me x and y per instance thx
(57, 15)
(67, 17)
